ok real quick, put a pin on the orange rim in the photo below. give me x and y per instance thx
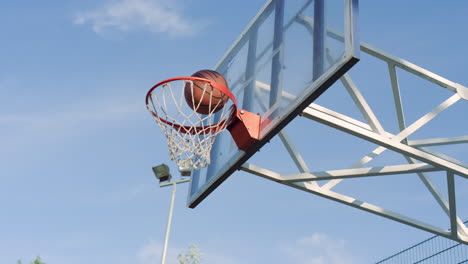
(190, 129)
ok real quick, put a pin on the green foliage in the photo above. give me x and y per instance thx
(192, 256)
(36, 261)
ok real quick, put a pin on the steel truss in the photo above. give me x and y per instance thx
(419, 159)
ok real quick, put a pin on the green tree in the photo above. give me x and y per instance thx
(192, 256)
(36, 261)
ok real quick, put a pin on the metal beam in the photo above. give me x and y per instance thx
(403, 64)
(318, 62)
(438, 141)
(358, 99)
(393, 143)
(360, 172)
(294, 154)
(278, 59)
(452, 204)
(271, 175)
(373, 132)
(396, 96)
(285, 139)
(437, 195)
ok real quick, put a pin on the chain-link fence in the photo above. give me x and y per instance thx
(435, 250)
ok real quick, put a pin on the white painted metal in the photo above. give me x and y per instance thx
(404, 64)
(362, 104)
(171, 213)
(295, 155)
(169, 222)
(412, 68)
(463, 92)
(347, 200)
(397, 96)
(170, 183)
(420, 160)
(360, 172)
(392, 143)
(438, 141)
(436, 194)
(453, 211)
(359, 99)
(287, 142)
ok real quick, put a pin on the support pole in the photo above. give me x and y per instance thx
(169, 221)
(277, 60)
(319, 39)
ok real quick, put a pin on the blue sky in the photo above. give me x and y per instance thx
(77, 143)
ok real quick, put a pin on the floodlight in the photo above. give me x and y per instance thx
(162, 173)
(186, 168)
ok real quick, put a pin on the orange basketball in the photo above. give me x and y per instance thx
(204, 98)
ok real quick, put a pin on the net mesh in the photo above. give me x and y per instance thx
(190, 135)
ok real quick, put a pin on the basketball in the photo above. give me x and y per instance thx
(204, 98)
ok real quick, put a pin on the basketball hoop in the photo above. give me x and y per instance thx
(189, 122)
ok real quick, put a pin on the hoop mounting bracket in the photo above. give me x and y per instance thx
(245, 129)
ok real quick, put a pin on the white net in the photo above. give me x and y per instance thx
(190, 135)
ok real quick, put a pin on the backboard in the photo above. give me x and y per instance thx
(287, 56)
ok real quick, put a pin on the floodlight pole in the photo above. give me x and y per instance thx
(169, 219)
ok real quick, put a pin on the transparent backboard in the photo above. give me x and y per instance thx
(288, 55)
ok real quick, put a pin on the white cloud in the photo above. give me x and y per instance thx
(156, 16)
(317, 248)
